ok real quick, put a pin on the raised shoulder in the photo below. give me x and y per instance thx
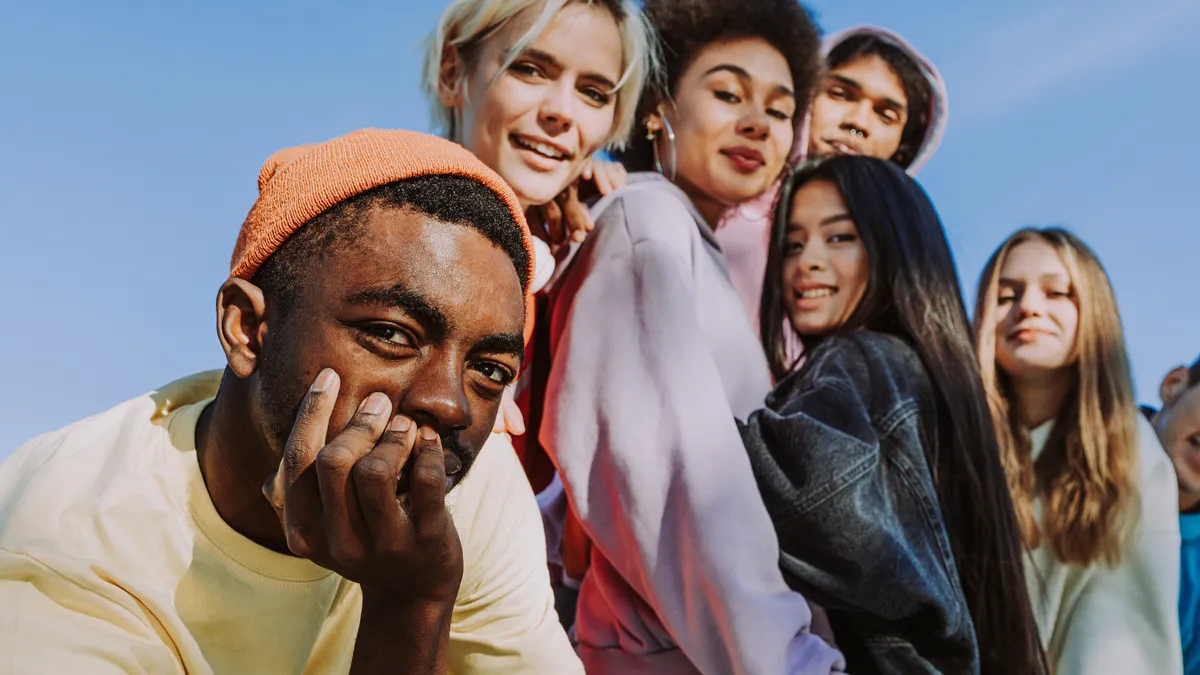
(1158, 486)
(649, 209)
(1152, 459)
(111, 473)
(869, 356)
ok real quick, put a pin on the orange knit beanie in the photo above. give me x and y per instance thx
(298, 184)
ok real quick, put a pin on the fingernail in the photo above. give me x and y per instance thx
(374, 404)
(399, 423)
(324, 380)
(427, 433)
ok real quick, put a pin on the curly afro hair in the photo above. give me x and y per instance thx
(685, 27)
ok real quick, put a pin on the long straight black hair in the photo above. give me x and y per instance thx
(913, 293)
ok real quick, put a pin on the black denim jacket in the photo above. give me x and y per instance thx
(840, 458)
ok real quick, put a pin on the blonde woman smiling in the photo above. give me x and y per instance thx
(1094, 492)
(535, 88)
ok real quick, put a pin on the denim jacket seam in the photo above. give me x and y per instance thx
(855, 471)
(896, 415)
(929, 514)
(831, 488)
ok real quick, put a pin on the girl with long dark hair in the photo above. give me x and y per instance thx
(877, 459)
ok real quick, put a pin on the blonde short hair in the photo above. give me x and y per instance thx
(466, 23)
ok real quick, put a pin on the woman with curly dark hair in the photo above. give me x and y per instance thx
(653, 358)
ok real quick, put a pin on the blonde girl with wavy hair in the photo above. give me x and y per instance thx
(535, 88)
(1093, 491)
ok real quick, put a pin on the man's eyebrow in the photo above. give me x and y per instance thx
(502, 343)
(886, 101)
(411, 302)
(842, 79)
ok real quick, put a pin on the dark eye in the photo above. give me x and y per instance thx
(1195, 440)
(527, 69)
(779, 114)
(494, 372)
(726, 96)
(393, 335)
(1058, 295)
(842, 238)
(597, 95)
(792, 247)
(1004, 299)
(839, 93)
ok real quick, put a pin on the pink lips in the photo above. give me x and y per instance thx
(745, 159)
(1027, 334)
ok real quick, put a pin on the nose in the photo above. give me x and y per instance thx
(812, 258)
(1031, 304)
(755, 125)
(555, 115)
(858, 118)
(437, 396)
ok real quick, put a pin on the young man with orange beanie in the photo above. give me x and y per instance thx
(308, 509)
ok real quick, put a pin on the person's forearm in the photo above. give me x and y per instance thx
(402, 638)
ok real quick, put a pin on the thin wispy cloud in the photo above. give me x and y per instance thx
(1010, 66)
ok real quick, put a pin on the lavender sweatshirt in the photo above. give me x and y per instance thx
(652, 359)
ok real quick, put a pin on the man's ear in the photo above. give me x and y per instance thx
(1173, 385)
(241, 324)
(451, 74)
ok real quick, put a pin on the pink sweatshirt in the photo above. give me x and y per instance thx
(652, 362)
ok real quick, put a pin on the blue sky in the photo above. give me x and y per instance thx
(131, 135)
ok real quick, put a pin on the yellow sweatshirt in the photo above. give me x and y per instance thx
(114, 560)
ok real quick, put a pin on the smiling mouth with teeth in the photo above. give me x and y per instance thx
(817, 292)
(542, 149)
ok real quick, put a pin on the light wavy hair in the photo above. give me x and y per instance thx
(1086, 474)
(467, 23)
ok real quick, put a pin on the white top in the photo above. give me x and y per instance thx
(1096, 620)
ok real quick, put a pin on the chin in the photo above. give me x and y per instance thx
(533, 190)
(734, 192)
(1041, 362)
(1034, 367)
(810, 326)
